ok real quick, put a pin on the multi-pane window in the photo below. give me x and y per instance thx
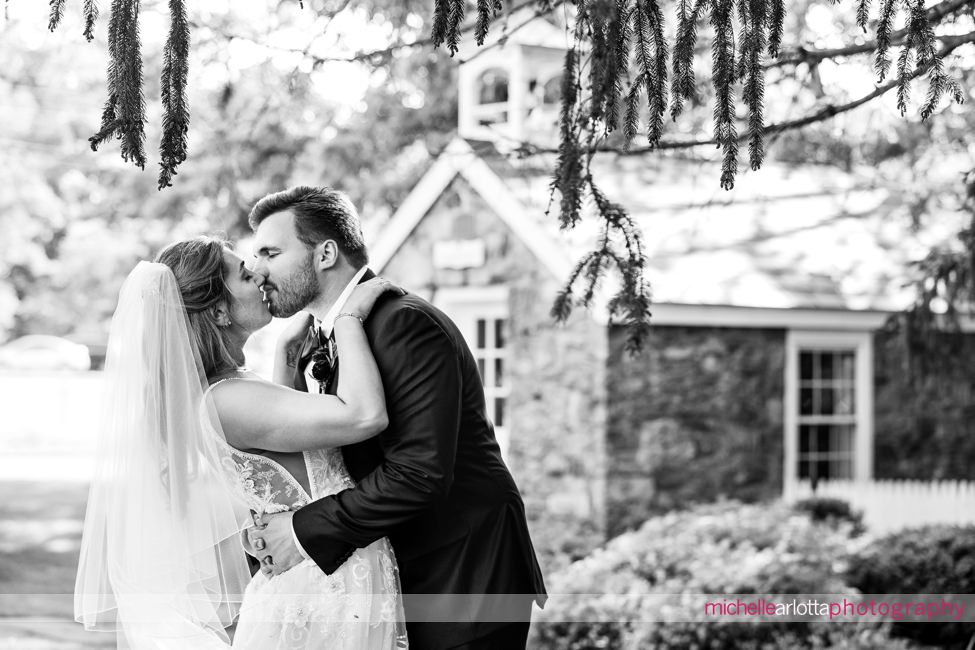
(491, 358)
(482, 313)
(827, 418)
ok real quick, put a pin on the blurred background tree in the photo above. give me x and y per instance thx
(352, 93)
(264, 116)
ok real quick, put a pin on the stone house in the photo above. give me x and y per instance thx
(769, 363)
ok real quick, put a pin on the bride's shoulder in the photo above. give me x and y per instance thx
(229, 377)
(237, 402)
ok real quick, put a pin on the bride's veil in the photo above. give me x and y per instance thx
(160, 554)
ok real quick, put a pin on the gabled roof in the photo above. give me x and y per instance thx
(787, 237)
(459, 159)
(523, 26)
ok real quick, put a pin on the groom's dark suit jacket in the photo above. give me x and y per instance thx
(433, 482)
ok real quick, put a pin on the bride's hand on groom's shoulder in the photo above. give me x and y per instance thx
(295, 332)
(366, 294)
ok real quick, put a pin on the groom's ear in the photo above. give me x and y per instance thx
(326, 255)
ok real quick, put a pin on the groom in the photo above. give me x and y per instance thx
(434, 481)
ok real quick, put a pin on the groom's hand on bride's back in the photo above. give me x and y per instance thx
(272, 542)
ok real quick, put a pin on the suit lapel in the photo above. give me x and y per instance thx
(304, 356)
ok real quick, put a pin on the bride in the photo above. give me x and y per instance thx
(194, 449)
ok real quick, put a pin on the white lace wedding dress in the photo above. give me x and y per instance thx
(358, 607)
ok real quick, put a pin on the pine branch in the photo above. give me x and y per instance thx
(438, 33)
(631, 119)
(458, 8)
(863, 14)
(811, 57)
(632, 302)
(596, 17)
(124, 115)
(619, 36)
(57, 13)
(723, 74)
(656, 69)
(754, 91)
(562, 308)
(176, 114)
(940, 84)
(487, 10)
(109, 127)
(744, 40)
(682, 86)
(132, 103)
(951, 43)
(567, 177)
(776, 25)
(905, 60)
(888, 10)
(436, 39)
(644, 62)
(91, 15)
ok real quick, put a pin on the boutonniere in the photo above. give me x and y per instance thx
(323, 362)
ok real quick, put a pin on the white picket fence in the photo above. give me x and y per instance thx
(891, 505)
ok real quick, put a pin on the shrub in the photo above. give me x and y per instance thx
(925, 560)
(718, 548)
(829, 510)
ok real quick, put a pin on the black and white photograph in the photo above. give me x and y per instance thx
(487, 325)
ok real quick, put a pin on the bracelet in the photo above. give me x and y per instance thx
(350, 315)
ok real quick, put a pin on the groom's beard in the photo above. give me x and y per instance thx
(294, 293)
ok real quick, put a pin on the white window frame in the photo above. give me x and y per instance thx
(465, 305)
(861, 343)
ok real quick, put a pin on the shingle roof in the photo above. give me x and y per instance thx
(785, 237)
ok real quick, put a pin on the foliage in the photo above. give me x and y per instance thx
(925, 560)
(718, 548)
(830, 510)
(75, 222)
(615, 43)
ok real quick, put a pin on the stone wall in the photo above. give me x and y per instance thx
(697, 417)
(556, 414)
(924, 426)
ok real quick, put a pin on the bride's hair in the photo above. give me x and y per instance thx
(199, 269)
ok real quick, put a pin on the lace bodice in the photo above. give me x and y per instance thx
(358, 606)
(267, 487)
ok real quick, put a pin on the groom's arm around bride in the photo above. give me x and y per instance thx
(433, 482)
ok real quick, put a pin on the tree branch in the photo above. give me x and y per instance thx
(386, 52)
(538, 13)
(951, 43)
(799, 55)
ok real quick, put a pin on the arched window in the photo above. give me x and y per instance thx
(493, 87)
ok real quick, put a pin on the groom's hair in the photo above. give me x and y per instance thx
(321, 213)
